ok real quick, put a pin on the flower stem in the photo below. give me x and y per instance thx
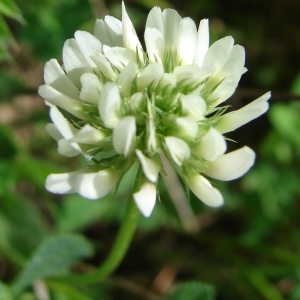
(122, 242)
(117, 252)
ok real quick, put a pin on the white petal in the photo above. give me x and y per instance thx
(126, 78)
(178, 149)
(155, 20)
(169, 81)
(119, 57)
(52, 71)
(145, 198)
(150, 167)
(61, 183)
(67, 131)
(218, 53)
(238, 118)
(67, 148)
(110, 104)
(57, 78)
(88, 135)
(231, 165)
(194, 106)
(234, 65)
(95, 185)
(202, 42)
(65, 128)
(53, 131)
(186, 41)
(109, 32)
(91, 88)
(171, 20)
(73, 57)
(224, 90)
(123, 136)
(53, 96)
(229, 75)
(92, 185)
(187, 127)
(202, 188)
(137, 102)
(155, 45)
(151, 73)
(114, 28)
(104, 66)
(192, 73)
(75, 75)
(130, 39)
(88, 44)
(211, 145)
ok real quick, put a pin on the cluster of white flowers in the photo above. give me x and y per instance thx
(126, 104)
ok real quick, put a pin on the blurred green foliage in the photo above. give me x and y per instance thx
(193, 291)
(53, 257)
(8, 8)
(248, 249)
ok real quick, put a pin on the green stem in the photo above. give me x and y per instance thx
(261, 284)
(117, 253)
(122, 242)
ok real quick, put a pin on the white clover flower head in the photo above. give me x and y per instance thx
(127, 104)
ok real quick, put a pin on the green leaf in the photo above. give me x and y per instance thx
(68, 292)
(70, 217)
(25, 228)
(33, 169)
(296, 85)
(285, 120)
(267, 290)
(21, 227)
(295, 293)
(5, 293)
(4, 55)
(5, 33)
(193, 291)
(6, 248)
(10, 84)
(10, 9)
(8, 148)
(53, 257)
